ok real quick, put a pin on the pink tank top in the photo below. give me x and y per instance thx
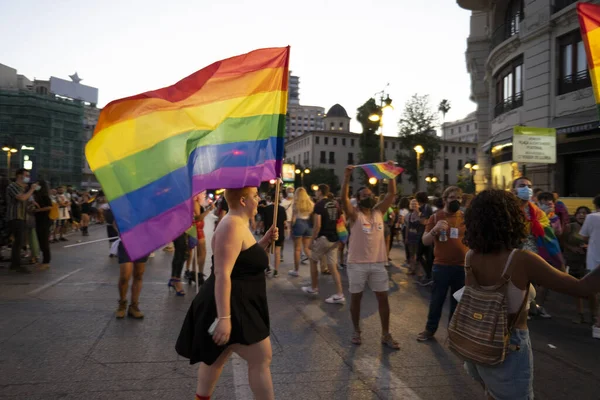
(367, 240)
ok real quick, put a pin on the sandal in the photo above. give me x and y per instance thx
(356, 339)
(389, 341)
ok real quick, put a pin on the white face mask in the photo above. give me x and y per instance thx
(26, 179)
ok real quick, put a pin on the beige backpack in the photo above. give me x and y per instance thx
(480, 329)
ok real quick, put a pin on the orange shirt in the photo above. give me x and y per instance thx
(452, 251)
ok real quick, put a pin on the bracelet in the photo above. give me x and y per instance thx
(227, 317)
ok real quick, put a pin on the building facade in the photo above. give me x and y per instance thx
(528, 67)
(462, 130)
(300, 118)
(336, 148)
(48, 122)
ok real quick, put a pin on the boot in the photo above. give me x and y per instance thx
(120, 313)
(134, 311)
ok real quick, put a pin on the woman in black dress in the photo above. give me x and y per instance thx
(235, 298)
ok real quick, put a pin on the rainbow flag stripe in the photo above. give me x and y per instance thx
(221, 127)
(589, 22)
(381, 170)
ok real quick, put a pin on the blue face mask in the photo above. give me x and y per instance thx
(525, 193)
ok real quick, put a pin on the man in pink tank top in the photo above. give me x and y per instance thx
(367, 254)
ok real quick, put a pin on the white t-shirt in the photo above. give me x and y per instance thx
(287, 205)
(591, 230)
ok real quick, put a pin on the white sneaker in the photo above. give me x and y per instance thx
(293, 272)
(310, 290)
(336, 299)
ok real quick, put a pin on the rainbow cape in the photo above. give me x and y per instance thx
(221, 127)
(547, 243)
(381, 170)
(589, 22)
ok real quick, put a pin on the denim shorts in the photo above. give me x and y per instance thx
(301, 228)
(513, 379)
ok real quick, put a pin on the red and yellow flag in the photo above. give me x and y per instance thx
(589, 21)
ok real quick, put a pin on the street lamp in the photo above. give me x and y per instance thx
(299, 171)
(9, 152)
(315, 188)
(373, 181)
(471, 168)
(419, 150)
(385, 105)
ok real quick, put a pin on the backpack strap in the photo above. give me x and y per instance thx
(505, 275)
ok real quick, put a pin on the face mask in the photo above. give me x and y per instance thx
(454, 206)
(545, 208)
(524, 193)
(26, 179)
(37, 189)
(369, 203)
(290, 195)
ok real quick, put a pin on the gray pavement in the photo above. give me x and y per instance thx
(59, 340)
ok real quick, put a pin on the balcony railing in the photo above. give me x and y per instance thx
(507, 30)
(509, 104)
(571, 83)
(561, 4)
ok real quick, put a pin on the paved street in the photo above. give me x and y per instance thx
(59, 340)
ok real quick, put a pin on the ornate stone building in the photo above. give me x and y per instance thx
(528, 67)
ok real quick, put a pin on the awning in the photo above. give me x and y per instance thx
(503, 137)
(578, 122)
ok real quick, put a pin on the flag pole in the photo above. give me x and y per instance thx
(275, 211)
(195, 264)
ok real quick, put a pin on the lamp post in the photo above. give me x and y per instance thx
(10, 150)
(471, 168)
(302, 172)
(419, 150)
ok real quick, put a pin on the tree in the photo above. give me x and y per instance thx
(417, 127)
(322, 175)
(465, 183)
(444, 107)
(368, 141)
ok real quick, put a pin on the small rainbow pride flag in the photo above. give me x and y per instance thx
(381, 170)
(221, 127)
(589, 22)
(340, 228)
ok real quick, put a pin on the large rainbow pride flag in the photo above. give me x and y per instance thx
(221, 127)
(589, 22)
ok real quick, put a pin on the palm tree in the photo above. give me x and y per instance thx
(444, 107)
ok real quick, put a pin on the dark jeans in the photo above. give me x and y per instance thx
(425, 257)
(444, 277)
(17, 229)
(180, 255)
(42, 229)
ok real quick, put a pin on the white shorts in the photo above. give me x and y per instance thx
(374, 274)
(324, 248)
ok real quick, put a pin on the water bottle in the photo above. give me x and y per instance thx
(443, 237)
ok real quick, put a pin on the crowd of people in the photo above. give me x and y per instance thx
(37, 215)
(521, 241)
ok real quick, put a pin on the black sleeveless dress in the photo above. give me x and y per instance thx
(249, 310)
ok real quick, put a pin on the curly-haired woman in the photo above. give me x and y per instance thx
(495, 229)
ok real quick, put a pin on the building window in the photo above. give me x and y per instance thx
(323, 158)
(385, 145)
(352, 142)
(446, 181)
(350, 158)
(335, 141)
(452, 131)
(343, 142)
(460, 165)
(512, 23)
(475, 125)
(453, 149)
(332, 157)
(393, 145)
(445, 149)
(446, 164)
(459, 150)
(332, 126)
(326, 140)
(468, 126)
(341, 125)
(460, 129)
(574, 73)
(316, 140)
(509, 87)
